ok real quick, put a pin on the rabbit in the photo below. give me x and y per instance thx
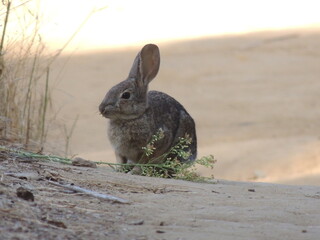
(136, 114)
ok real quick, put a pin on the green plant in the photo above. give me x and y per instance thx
(148, 150)
(167, 166)
(171, 168)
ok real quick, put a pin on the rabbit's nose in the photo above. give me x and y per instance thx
(102, 108)
(106, 109)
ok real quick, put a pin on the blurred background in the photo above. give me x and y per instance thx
(247, 71)
(118, 23)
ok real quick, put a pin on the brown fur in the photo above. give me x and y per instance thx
(136, 114)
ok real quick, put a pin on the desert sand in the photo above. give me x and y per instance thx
(254, 98)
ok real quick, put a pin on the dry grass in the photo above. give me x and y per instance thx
(25, 77)
(24, 80)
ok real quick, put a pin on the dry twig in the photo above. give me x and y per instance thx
(90, 192)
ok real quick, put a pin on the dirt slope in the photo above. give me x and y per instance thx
(158, 208)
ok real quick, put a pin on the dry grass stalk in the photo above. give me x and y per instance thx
(24, 82)
(23, 99)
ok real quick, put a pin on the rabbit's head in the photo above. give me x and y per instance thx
(128, 99)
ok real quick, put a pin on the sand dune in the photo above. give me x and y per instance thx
(254, 97)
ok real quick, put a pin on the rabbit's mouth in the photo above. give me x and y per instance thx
(111, 112)
(106, 110)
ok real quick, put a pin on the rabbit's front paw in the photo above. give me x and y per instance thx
(136, 170)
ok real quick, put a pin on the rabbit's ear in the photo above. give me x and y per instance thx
(146, 65)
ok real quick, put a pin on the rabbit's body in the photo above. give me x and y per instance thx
(128, 136)
(136, 114)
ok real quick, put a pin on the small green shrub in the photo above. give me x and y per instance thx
(170, 168)
(165, 166)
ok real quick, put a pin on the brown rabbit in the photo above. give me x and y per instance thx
(136, 114)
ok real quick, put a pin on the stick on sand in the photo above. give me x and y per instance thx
(90, 193)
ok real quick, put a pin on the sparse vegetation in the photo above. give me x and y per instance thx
(25, 93)
(168, 168)
(26, 107)
(24, 80)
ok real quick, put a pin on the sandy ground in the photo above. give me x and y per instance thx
(254, 97)
(157, 208)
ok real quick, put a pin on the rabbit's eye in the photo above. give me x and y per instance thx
(125, 95)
